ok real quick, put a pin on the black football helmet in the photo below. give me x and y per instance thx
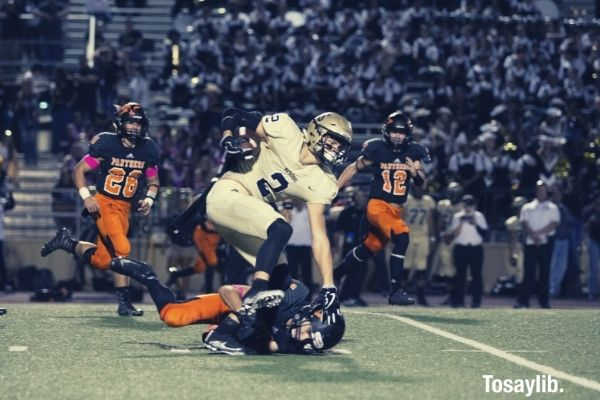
(131, 113)
(322, 336)
(397, 122)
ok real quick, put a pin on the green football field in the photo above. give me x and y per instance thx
(85, 351)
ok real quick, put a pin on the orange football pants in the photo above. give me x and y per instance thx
(113, 225)
(384, 220)
(206, 243)
(206, 308)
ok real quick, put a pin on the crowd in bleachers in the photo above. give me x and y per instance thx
(499, 94)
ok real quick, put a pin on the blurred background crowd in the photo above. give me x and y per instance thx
(501, 94)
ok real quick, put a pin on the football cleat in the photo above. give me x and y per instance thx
(126, 309)
(2, 311)
(264, 299)
(223, 343)
(399, 297)
(137, 270)
(62, 240)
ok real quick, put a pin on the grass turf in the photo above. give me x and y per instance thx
(77, 351)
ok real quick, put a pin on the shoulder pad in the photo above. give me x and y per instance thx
(418, 152)
(444, 205)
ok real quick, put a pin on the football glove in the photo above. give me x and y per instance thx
(232, 144)
(329, 303)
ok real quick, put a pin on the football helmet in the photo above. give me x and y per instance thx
(310, 335)
(454, 192)
(334, 126)
(397, 122)
(131, 113)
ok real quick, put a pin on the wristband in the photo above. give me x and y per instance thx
(84, 192)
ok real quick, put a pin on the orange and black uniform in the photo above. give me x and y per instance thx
(391, 183)
(385, 215)
(207, 242)
(120, 174)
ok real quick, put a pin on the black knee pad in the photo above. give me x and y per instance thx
(361, 253)
(278, 234)
(87, 255)
(280, 231)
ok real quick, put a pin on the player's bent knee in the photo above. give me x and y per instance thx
(280, 230)
(122, 247)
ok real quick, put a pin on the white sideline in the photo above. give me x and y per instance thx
(587, 383)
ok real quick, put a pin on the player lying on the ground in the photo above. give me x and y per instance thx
(285, 322)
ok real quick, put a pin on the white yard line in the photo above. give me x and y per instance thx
(17, 348)
(481, 351)
(587, 383)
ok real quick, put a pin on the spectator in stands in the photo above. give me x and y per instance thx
(592, 216)
(86, 82)
(7, 203)
(51, 14)
(539, 219)
(26, 117)
(560, 247)
(63, 102)
(468, 230)
(130, 41)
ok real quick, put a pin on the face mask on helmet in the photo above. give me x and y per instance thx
(131, 122)
(332, 149)
(397, 131)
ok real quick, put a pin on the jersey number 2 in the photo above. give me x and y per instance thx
(398, 183)
(267, 188)
(113, 183)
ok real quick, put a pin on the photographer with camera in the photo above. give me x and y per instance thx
(468, 228)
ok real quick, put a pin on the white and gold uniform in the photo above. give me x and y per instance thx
(443, 259)
(416, 214)
(239, 204)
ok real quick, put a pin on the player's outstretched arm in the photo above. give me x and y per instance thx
(320, 242)
(351, 170)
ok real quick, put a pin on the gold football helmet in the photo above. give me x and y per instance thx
(329, 125)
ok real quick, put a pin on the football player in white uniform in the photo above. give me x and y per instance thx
(287, 162)
(419, 210)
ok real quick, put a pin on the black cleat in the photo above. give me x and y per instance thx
(264, 299)
(399, 297)
(223, 343)
(2, 311)
(62, 240)
(421, 300)
(139, 271)
(126, 309)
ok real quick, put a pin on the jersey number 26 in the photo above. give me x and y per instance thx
(114, 185)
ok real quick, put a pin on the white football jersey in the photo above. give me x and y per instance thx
(416, 214)
(278, 173)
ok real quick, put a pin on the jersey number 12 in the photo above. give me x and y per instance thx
(398, 184)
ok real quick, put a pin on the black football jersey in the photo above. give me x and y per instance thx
(391, 176)
(122, 168)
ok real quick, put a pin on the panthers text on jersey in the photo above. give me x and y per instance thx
(122, 167)
(278, 172)
(391, 181)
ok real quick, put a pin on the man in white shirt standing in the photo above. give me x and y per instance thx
(468, 229)
(299, 246)
(539, 219)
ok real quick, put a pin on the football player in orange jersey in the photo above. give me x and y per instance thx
(395, 162)
(123, 160)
